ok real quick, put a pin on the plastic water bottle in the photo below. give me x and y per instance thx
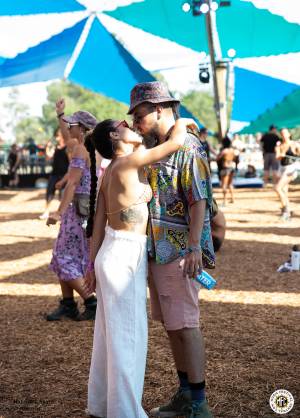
(206, 280)
(295, 257)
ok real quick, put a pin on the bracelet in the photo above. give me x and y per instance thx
(90, 267)
(193, 248)
(60, 114)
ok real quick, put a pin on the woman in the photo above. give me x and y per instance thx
(60, 163)
(70, 253)
(118, 247)
(14, 160)
(227, 159)
(288, 152)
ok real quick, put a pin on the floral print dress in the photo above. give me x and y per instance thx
(70, 252)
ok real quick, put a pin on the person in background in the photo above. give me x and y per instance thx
(227, 159)
(70, 252)
(60, 164)
(14, 160)
(32, 148)
(218, 226)
(288, 153)
(251, 172)
(203, 134)
(268, 143)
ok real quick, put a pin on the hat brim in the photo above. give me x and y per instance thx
(70, 119)
(153, 101)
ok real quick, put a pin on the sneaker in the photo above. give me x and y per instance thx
(44, 215)
(90, 310)
(67, 309)
(178, 403)
(196, 410)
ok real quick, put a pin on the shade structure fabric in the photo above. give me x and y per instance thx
(284, 114)
(255, 93)
(28, 7)
(43, 62)
(102, 65)
(250, 31)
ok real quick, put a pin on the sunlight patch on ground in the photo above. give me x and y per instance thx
(220, 296)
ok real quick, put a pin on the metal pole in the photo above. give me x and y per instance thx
(211, 46)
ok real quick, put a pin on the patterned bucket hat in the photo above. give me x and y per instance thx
(86, 119)
(152, 92)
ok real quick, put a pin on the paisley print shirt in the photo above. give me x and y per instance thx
(178, 182)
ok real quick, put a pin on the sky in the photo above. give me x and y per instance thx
(169, 58)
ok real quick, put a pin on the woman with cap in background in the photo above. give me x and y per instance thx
(70, 253)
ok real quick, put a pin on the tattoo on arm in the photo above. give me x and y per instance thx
(131, 216)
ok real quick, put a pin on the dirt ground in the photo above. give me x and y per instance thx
(250, 321)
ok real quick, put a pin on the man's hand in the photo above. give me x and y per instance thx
(60, 106)
(192, 264)
(53, 218)
(90, 282)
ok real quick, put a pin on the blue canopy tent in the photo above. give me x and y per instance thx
(86, 54)
(255, 93)
(29, 7)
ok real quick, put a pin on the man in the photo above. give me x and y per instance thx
(269, 141)
(179, 242)
(203, 134)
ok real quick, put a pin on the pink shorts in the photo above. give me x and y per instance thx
(174, 299)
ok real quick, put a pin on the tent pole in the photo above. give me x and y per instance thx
(211, 46)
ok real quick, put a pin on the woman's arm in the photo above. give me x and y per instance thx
(74, 176)
(279, 154)
(143, 156)
(100, 221)
(60, 184)
(60, 107)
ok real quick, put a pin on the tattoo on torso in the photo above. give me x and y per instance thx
(131, 216)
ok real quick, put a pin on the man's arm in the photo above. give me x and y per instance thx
(193, 260)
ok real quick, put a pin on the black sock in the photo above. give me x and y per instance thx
(183, 380)
(198, 391)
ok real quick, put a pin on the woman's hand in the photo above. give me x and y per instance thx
(53, 218)
(59, 185)
(89, 284)
(60, 106)
(188, 123)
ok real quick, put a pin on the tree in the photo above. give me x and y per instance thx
(31, 127)
(79, 98)
(201, 104)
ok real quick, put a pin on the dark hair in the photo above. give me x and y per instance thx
(102, 140)
(272, 127)
(226, 142)
(94, 180)
(99, 139)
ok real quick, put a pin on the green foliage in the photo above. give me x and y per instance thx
(79, 98)
(201, 104)
(31, 127)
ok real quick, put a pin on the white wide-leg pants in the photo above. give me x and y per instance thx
(120, 337)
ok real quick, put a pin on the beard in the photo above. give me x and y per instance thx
(151, 138)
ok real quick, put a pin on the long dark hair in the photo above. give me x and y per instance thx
(94, 180)
(99, 140)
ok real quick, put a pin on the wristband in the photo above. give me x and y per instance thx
(193, 248)
(90, 267)
(60, 114)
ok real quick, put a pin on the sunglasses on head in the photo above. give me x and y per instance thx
(69, 125)
(122, 123)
